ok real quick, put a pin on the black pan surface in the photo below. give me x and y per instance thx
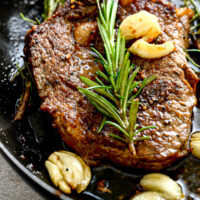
(29, 142)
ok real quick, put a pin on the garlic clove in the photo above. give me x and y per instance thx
(195, 144)
(145, 50)
(68, 171)
(163, 184)
(145, 25)
(148, 196)
(142, 24)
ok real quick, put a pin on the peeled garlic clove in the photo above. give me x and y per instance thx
(68, 171)
(148, 196)
(163, 184)
(142, 24)
(145, 50)
(195, 144)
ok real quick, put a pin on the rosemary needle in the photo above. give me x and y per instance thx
(190, 59)
(31, 21)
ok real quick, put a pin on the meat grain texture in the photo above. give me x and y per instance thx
(59, 52)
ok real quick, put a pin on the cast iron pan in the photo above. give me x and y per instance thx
(29, 142)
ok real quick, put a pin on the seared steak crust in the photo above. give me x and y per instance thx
(58, 51)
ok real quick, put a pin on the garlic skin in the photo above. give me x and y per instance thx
(142, 24)
(163, 184)
(195, 144)
(145, 25)
(148, 196)
(68, 171)
(144, 49)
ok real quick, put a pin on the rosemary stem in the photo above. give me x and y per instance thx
(132, 148)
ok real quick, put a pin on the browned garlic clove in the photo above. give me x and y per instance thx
(145, 25)
(68, 171)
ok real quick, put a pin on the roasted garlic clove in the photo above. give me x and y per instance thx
(148, 196)
(195, 144)
(142, 24)
(145, 25)
(146, 50)
(163, 184)
(68, 171)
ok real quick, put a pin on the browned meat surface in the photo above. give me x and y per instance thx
(58, 51)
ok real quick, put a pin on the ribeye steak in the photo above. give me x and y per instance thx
(59, 52)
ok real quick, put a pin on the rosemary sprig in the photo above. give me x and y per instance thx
(113, 92)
